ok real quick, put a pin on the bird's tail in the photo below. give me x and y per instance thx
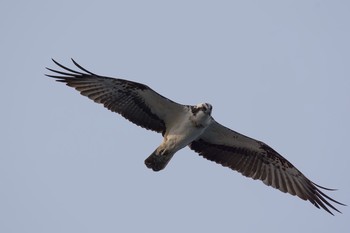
(158, 161)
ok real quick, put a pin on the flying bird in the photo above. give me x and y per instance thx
(193, 126)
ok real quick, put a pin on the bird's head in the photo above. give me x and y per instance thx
(202, 108)
(201, 115)
(205, 107)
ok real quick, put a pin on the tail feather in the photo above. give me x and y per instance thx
(157, 162)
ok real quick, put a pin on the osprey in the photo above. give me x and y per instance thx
(193, 126)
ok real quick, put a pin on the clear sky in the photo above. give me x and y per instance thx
(277, 71)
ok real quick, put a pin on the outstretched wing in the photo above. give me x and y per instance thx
(257, 160)
(135, 101)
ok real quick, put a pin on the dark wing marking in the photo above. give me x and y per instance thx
(135, 101)
(257, 160)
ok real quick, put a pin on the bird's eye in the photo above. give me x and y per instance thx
(194, 109)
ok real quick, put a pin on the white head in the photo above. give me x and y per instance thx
(201, 114)
(203, 108)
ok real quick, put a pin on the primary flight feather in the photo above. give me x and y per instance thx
(193, 126)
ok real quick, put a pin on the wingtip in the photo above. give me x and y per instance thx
(74, 62)
(54, 61)
(322, 187)
(57, 63)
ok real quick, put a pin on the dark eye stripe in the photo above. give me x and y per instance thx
(194, 110)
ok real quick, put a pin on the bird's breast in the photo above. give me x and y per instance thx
(185, 132)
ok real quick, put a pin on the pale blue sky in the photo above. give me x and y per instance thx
(277, 71)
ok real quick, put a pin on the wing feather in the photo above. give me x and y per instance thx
(257, 160)
(134, 101)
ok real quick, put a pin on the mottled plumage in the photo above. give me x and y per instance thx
(193, 126)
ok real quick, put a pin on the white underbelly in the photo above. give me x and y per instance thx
(180, 137)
